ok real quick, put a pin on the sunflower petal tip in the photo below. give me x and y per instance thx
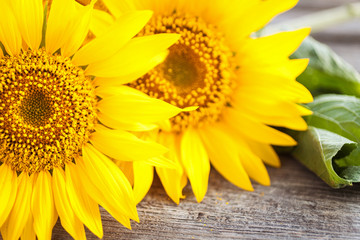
(249, 188)
(145, 14)
(199, 200)
(136, 217)
(175, 199)
(174, 36)
(136, 220)
(266, 182)
(199, 197)
(292, 143)
(308, 30)
(303, 32)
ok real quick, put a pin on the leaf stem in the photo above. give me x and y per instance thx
(321, 20)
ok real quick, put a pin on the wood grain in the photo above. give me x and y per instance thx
(298, 205)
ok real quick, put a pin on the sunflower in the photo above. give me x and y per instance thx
(57, 120)
(243, 86)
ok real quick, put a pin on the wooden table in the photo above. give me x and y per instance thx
(298, 205)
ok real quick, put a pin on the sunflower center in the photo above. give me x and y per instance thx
(196, 72)
(46, 111)
(35, 108)
(182, 69)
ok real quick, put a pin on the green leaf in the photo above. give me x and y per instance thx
(352, 172)
(327, 72)
(337, 113)
(317, 149)
(339, 116)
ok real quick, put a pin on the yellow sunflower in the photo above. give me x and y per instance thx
(57, 121)
(244, 86)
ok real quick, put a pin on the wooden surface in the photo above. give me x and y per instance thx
(298, 205)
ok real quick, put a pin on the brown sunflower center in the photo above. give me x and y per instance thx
(46, 111)
(196, 72)
(36, 108)
(183, 70)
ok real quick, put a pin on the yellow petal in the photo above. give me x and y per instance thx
(259, 15)
(69, 220)
(75, 35)
(296, 67)
(10, 35)
(265, 152)
(295, 122)
(85, 208)
(124, 146)
(173, 180)
(20, 212)
(196, 162)
(61, 17)
(99, 196)
(124, 79)
(294, 92)
(108, 91)
(4, 230)
(129, 126)
(29, 233)
(224, 156)
(143, 178)
(30, 17)
(304, 111)
(113, 187)
(244, 125)
(228, 17)
(101, 22)
(106, 45)
(127, 169)
(267, 105)
(286, 69)
(250, 161)
(159, 161)
(276, 46)
(8, 189)
(42, 206)
(253, 165)
(162, 162)
(118, 8)
(275, 87)
(130, 106)
(136, 54)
